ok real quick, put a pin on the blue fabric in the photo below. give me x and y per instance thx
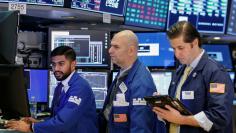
(140, 118)
(73, 116)
(56, 98)
(217, 107)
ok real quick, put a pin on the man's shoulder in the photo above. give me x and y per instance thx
(213, 65)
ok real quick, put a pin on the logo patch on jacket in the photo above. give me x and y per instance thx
(74, 99)
(217, 88)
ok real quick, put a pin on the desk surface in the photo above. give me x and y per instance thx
(8, 131)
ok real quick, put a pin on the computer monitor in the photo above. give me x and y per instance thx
(221, 53)
(8, 36)
(39, 2)
(147, 13)
(37, 85)
(97, 80)
(91, 47)
(115, 7)
(155, 50)
(162, 81)
(13, 94)
(206, 16)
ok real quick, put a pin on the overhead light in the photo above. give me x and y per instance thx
(216, 38)
(68, 17)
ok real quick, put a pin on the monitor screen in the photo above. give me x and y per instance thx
(162, 81)
(220, 53)
(91, 47)
(206, 16)
(147, 13)
(115, 7)
(97, 80)
(13, 94)
(231, 29)
(8, 36)
(155, 49)
(39, 2)
(37, 84)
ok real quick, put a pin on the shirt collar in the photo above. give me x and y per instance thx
(66, 81)
(196, 61)
(124, 70)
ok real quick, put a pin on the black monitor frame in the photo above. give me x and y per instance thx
(14, 101)
(9, 21)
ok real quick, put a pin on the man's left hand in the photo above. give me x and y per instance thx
(170, 114)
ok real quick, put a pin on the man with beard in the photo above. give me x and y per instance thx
(73, 105)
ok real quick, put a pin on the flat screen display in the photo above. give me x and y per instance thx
(37, 84)
(91, 47)
(220, 53)
(208, 16)
(38, 2)
(155, 49)
(98, 82)
(162, 81)
(115, 7)
(147, 13)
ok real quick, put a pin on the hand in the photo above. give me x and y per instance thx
(170, 114)
(21, 126)
(29, 120)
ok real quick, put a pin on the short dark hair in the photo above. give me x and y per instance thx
(186, 29)
(67, 51)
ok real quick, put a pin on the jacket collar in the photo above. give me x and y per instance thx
(133, 70)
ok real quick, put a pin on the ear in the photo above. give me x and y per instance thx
(131, 50)
(195, 42)
(73, 64)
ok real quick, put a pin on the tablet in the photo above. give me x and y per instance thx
(162, 100)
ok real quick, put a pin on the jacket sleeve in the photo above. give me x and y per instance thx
(219, 105)
(69, 115)
(142, 119)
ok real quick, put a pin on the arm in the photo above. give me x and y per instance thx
(142, 119)
(172, 115)
(69, 115)
(219, 105)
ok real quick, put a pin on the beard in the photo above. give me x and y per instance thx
(60, 76)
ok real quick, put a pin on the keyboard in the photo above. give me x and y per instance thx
(2, 126)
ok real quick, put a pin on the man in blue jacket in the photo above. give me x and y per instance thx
(73, 106)
(200, 83)
(125, 109)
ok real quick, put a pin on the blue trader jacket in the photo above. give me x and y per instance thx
(129, 113)
(77, 113)
(216, 106)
